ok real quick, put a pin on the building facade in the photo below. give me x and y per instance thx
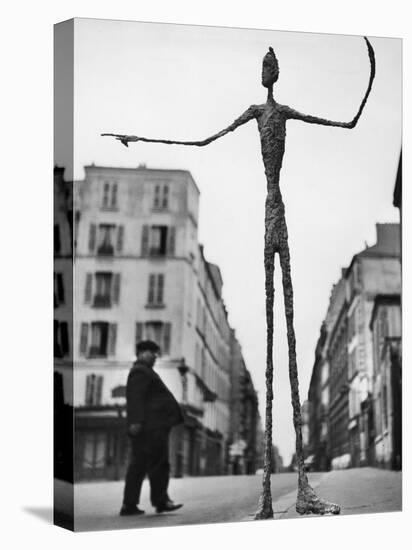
(386, 328)
(63, 323)
(140, 273)
(245, 445)
(373, 271)
(346, 354)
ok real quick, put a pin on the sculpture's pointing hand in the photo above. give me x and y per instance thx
(123, 138)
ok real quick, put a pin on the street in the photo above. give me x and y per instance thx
(234, 498)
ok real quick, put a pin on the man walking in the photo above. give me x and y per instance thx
(152, 411)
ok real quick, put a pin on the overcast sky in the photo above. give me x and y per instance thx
(184, 82)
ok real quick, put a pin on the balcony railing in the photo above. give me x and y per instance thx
(105, 250)
(96, 351)
(157, 252)
(102, 301)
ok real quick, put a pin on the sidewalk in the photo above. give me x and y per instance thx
(357, 491)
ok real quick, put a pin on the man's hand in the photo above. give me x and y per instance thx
(134, 430)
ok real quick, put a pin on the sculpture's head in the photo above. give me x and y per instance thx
(270, 69)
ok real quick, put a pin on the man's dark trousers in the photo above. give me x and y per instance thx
(150, 456)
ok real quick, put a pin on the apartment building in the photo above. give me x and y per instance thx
(140, 273)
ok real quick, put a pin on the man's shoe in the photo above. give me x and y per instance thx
(131, 511)
(168, 507)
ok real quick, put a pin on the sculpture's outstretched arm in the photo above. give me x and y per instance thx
(291, 113)
(245, 117)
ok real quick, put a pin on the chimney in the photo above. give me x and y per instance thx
(387, 235)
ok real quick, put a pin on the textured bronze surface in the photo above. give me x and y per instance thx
(271, 118)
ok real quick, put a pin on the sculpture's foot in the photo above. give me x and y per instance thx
(265, 510)
(264, 514)
(309, 503)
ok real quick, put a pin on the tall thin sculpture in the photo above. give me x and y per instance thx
(271, 118)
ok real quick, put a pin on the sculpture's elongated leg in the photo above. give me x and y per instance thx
(265, 510)
(307, 502)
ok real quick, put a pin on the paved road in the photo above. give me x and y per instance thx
(235, 498)
(360, 491)
(206, 500)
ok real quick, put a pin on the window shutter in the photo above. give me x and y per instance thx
(160, 285)
(90, 389)
(120, 237)
(151, 293)
(92, 237)
(88, 288)
(114, 195)
(84, 333)
(64, 335)
(165, 201)
(139, 332)
(172, 239)
(60, 288)
(112, 338)
(145, 240)
(166, 338)
(116, 288)
(98, 390)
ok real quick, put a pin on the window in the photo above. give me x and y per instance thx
(102, 298)
(106, 287)
(161, 197)
(108, 235)
(94, 386)
(100, 335)
(105, 242)
(158, 331)
(102, 339)
(156, 288)
(61, 339)
(58, 289)
(109, 197)
(158, 240)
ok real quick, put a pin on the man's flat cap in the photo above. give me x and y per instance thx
(147, 345)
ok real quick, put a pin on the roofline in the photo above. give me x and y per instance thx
(368, 253)
(141, 169)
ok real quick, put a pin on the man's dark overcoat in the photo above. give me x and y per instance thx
(149, 402)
